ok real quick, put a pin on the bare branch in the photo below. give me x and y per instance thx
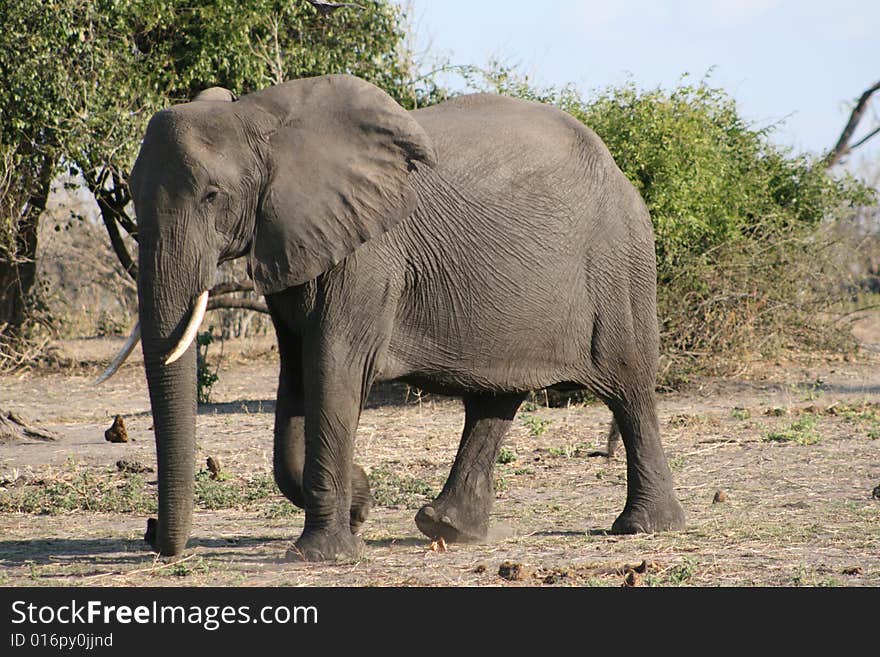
(843, 146)
(116, 241)
(248, 304)
(230, 287)
(865, 138)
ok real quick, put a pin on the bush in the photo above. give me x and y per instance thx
(741, 224)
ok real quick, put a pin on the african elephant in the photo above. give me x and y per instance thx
(483, 247)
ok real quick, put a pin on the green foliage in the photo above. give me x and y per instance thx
(802, 432)
(185, 568)
(678, 575)
(391, 489)
(205, 376)
(223, 493)
(568, 450)
(83, 490)
(82, 77)
(536, 425)
(505, 456)
(742, 260)
(79, 79)
(739, 413)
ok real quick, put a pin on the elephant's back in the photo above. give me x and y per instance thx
(492, 138)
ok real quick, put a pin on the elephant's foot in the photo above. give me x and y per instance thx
(441, 519)
(326, 545)
(650, 517)
(361, 498)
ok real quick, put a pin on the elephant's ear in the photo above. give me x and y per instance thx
(338, 167)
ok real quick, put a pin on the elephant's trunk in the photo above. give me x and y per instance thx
(173, 399)
(166, 310)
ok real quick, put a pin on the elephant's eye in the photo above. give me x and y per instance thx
(211, 196)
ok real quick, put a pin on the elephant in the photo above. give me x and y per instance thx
(483, 247)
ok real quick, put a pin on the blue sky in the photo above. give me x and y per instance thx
(801, 61)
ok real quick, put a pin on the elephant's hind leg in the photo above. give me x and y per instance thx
(461, 511)
(651, 505)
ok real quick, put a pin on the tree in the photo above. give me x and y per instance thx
(79, 80)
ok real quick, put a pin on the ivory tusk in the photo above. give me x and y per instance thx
(191, 329)
(124, 353)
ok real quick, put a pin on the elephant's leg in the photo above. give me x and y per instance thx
(651, 504)
(290, 442)
(333, 404)
(461, 511)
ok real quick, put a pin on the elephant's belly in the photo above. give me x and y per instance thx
(530, 361)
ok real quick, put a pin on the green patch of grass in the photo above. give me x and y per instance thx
(505, 456)
(676, 576)
(802, 432)
(524, 471)
(857, 413)
(391, 489)
(85, 490)
(740, 413)
(227, 493)
(109, 491)
(196, 566)
(281, 508)
(536, 425)
(811, 390)
(568, 451)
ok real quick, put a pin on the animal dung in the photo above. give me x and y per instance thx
(513, 572)
(150, 534)
(214, 468)
(116, 433)
(134, 467)
(720, 497)
(632, 579)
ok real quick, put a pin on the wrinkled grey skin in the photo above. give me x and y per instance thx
(483, 248)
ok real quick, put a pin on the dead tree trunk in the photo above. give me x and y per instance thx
(843, 145)
(13, 427)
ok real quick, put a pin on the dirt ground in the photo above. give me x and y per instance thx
(794, 450)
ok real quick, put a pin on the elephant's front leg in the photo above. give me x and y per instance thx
(461, 511)
(333, 404)
(290, 447)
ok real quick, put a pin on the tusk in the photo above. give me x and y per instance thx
(191, 329)
(124, 353)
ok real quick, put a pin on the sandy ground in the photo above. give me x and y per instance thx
(795, 512)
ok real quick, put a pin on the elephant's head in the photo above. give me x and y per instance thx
(296, 177)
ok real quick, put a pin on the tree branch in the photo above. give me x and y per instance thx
(116, 241)
(230, 287)
(247, 304)
(842, 147)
